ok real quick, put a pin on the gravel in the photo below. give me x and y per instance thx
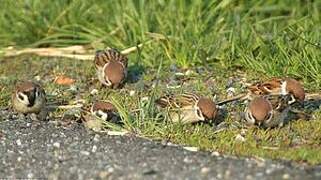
(34, 149)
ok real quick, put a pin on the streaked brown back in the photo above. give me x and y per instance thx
(104, 56)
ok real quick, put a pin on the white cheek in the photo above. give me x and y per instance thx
(248, 116)
(270, 117)
(199, 115)
(100, 114)
(104, 77)
(25, 99)
(283, 88)
(292, 100)
(107, 81)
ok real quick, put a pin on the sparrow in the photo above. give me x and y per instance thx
(275, 86)
(111, 67)
(267, 111)
(188, 108)
(280, 86)
(104, 110)
(29, 98)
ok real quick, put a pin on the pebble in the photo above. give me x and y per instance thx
(56, 144)
(94, 92)
(187, 160)
(239, 138)
(30, 175)
(104, 174)
(18, 141)
(131, 93)
(86, 153)
(96, 138)
(286, 176)
(94, 149)
(215, 153)
(205, 170)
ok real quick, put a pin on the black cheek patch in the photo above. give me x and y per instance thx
(20, 97)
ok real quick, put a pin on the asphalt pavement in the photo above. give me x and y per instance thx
(50, 150)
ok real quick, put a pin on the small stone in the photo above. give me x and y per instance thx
(56, 144)
(94, 92)
(243, 132)
(144, 99)
(104, 174)
(187, 160)
(205, 170)
(219, 176)
(110, 169)
(131, 93)
(227, 174)
(286, 176)
(30, 175)
(37, 78)
(86, 153)
(94, 149)
(96, 138)
(19, 159)
(239, 138)
(173, 68)
(188, 72)
(230, 91)
(215, 153)
(268, 171)
(18, 141)
(189, 148)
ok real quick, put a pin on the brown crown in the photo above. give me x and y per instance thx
(26, 86)
(103, 106)
(260, 108)
(208, 108)
(295, 88)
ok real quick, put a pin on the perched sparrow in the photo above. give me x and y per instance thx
(188, 108)
(104, 110)
(30, 98)
(111, 67)
(267, 111)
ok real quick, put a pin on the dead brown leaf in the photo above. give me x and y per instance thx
(64, 80)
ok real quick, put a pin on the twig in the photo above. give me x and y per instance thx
(310, 96)
(65, 106)
(74, 52)
(240, 97)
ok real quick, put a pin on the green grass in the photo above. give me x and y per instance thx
(254, 39)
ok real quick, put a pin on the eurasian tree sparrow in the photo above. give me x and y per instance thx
(111, 67)
(188, 108)
(267, 111)
(280, 86)
(30, 98)
(104, 110)
(274, 86)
